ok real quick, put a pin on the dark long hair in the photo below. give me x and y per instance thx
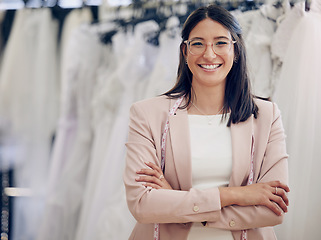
(238, 96)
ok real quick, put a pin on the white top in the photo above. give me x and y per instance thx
(211, 151)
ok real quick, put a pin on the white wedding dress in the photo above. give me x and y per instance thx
(260, 26)
(106, 98)
(109, 217)
(29, 91)
(298, 96)
(163, 76)
(73, 148)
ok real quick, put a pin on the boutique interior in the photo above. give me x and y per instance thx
(69, 72)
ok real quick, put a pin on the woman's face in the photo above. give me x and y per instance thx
(210, 69)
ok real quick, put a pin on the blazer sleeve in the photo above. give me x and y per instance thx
(273, 167)
(160, 206)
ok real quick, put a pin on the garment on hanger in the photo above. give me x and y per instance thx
(67, 124)
(29, 103)
(298, 96)
(64, 202)
(163, 75)
(109, 197)
(281, 38)
(106, 98)
(258, 42)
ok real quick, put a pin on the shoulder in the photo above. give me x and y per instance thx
(153, 110)
(268, 111)
(153, 106)
(263, 105)
(152, 103)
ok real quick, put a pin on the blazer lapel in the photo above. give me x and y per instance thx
(180, 141)
(242, 147)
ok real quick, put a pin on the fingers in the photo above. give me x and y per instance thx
(280, 204)
(154, 170)
(279, 184)
(274, 208)
(152, 177)
(282, 194)
(149, 179)
(154, 166)
(279, 198)
(149, 172)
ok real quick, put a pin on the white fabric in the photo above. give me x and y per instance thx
(258, 42)
(164, 73)
(64, 202)
(106, 97)
(72, 21)
(29, 104)
(298, 96)
(108, 204)
(211, 151)
(281, 38)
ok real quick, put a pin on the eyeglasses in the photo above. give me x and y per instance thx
(219, 46)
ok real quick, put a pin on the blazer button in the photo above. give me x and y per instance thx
(196, 208)
(232, 223)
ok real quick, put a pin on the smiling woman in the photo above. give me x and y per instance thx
(207, 160)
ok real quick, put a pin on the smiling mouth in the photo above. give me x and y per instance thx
(210, 66)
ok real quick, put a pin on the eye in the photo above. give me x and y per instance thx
(221, 43)
(197, 44)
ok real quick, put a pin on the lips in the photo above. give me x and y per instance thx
(210, 66)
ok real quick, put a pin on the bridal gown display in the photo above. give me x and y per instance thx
(258, 39)
(298, 96)
(109, 216)
(64, 202)
(106, 98)
(281, 38)
(163, 76)
(67, 124)
(29, 104)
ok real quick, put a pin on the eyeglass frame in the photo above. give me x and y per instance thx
(187, 42)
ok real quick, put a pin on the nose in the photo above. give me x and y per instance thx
(209, 52)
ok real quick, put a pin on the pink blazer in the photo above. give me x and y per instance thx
(175, 209)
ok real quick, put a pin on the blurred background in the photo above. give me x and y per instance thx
(69, 71)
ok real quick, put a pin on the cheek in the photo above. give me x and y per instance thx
(191, 62)
(230, 59)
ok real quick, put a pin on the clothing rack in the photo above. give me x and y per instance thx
(159, 11)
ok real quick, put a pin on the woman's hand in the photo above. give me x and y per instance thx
(271, 194)
(152, 177)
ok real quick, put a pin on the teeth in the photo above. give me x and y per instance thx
(210, 66)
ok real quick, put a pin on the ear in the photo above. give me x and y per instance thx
(184, 50)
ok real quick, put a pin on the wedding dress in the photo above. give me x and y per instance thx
(298, 96)
(109, 216)
(29, 105)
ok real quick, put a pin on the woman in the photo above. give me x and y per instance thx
(223, 151)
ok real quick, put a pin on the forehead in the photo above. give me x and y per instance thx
(209, 29)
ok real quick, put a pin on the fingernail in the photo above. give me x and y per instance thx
(137, 178)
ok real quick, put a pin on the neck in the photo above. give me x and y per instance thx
(209, 101)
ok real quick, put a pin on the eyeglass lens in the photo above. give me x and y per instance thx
(220, 46)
